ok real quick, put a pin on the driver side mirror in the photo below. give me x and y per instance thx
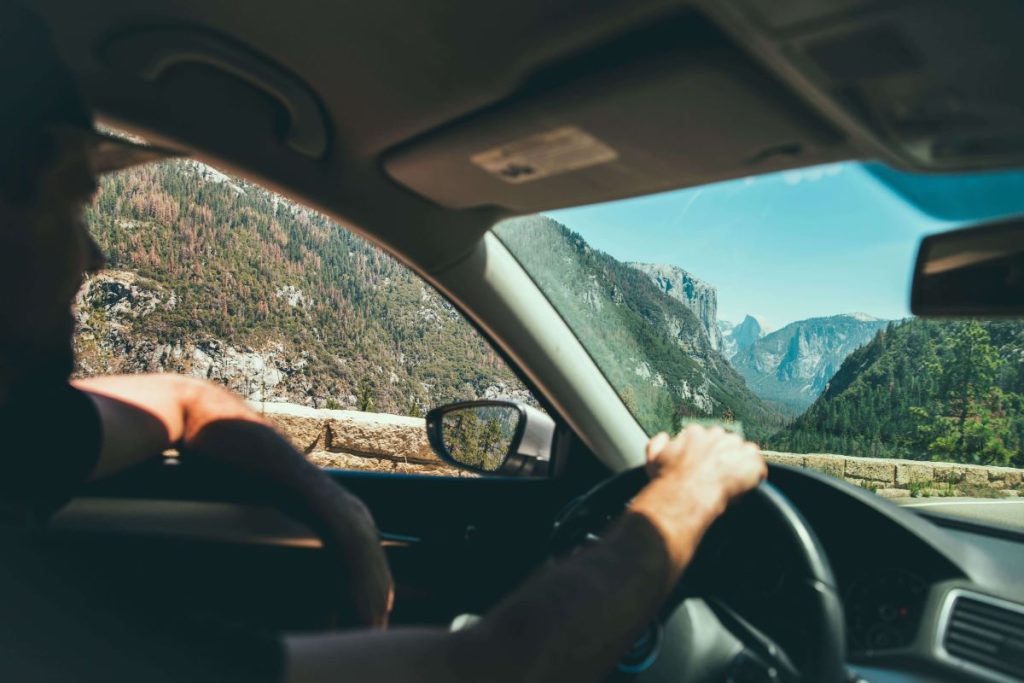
(498, 437)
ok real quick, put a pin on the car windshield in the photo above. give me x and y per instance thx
(779, 304)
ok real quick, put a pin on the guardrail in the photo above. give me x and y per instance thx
(381, 442)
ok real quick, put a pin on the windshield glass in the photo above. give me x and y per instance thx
(780, 304)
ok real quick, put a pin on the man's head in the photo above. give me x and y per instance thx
(50, 156)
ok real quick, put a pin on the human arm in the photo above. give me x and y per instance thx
(142, 415)
(572, 622)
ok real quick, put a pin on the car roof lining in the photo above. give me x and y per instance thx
(410, 91)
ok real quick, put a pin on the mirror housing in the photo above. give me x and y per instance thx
(519, 444)
(975, 271)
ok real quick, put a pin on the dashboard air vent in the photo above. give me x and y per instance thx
(988, 634)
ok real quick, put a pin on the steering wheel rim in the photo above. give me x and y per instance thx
(827, 661)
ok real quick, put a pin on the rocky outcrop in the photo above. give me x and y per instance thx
(112, 302)
(114, 308)
(697, 295)
(739, 338)
(792, 366)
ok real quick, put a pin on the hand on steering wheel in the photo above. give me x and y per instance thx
(714, 468)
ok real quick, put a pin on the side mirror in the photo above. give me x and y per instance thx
(976, 271)
(499, 437)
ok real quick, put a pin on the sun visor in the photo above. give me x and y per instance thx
(685, 119)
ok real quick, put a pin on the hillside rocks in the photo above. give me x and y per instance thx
(217, 278)
(108, 309)
(695, 294)
(792, 366)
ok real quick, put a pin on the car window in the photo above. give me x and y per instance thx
(778, 304)
(333, 340)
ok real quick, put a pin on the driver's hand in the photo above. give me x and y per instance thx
(710, 463)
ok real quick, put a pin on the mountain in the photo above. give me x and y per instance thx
(923, 389)
(218, 278)
(649, 343)
(695, 294)
(737, 338)
(792, 366)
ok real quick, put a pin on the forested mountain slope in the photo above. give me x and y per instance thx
(931, 390)
(219, 278)
(649, 344)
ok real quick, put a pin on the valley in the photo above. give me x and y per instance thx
(217, 278)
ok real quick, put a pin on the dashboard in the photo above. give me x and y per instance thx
(883, 609)
(924, 598)
(923, 601)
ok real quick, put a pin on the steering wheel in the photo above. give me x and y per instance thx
(794, 632)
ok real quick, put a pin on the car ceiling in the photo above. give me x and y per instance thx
(383, 114)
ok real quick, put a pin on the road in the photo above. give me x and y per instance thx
(1005, 512)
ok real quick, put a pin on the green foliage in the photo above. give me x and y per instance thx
(480, 437)
(926, 390)
(365, 396)
(918, 489)
(248, 269)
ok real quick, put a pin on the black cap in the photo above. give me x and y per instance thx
(39, 92)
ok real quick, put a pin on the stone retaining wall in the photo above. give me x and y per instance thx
(394, 443)
(899, 478)
(354, 440)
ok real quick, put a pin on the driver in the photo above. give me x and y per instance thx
(570, 623)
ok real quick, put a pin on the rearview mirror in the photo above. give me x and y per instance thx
(977, 271)
(492, 437)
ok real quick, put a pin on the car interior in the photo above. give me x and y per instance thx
(386, 116)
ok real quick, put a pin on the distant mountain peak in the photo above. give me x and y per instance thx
(752, 319)
(738, 338)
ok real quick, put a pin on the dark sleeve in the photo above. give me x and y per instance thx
(50, 439)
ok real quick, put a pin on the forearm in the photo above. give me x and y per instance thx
(570, 623)
(583, 614)
(579, 617)
(566, 625)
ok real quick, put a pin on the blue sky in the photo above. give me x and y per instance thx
(784, 246)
